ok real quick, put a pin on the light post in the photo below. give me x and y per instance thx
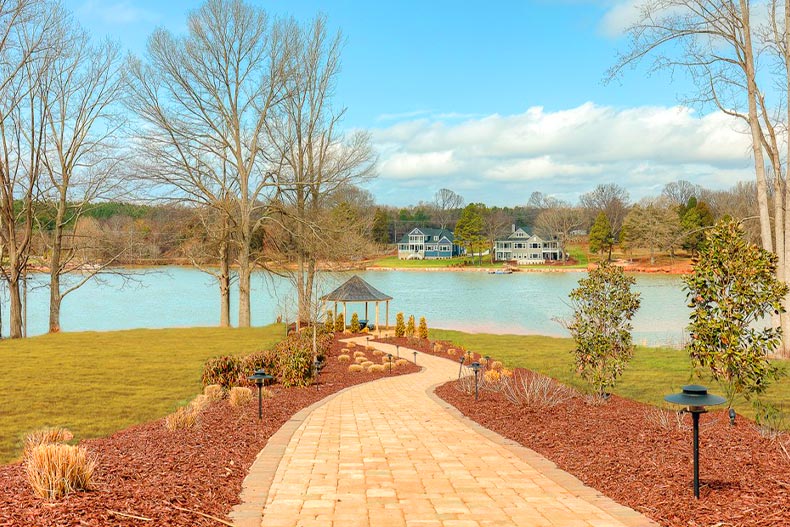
(397, 350)
(476, 369)
(389, 358)
(695, 398)
(415, 358)
(260, 377)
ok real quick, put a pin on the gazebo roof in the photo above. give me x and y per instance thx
(356, 289)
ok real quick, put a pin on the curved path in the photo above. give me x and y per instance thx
(389, 453)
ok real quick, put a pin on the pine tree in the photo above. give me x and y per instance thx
(400, 326)
(410, 327)
(601, 237)
(423, 330)
(354, 323)
(340, 323)
(381, 227)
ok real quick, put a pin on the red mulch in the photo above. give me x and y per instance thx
(147, 471)
(621, 449)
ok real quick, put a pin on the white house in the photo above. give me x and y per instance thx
(523, 248)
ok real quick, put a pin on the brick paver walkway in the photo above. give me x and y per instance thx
(388, 453)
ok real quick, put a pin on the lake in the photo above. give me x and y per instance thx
(520, 303)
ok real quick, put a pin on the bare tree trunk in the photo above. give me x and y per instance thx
(224, 284)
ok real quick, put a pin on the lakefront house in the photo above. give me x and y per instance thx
(523, 248)
(423, 243)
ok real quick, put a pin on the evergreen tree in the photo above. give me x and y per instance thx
(469, 230)
(601, 236)
(381, 227)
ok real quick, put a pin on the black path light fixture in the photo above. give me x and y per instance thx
(415, 358)
(488, 360)
(460, 365)
(389, 359)
(695, 398)
(476, 369)
(397, 351)
(260, 377)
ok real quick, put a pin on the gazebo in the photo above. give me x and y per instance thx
(355, 289)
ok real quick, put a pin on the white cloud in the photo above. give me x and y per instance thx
(501, 159)
(619, 17)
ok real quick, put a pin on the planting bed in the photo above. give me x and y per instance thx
(641, 456)
(173, 478)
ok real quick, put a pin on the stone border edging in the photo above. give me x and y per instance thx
(548, 468)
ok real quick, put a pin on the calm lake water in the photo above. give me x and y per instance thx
(520, 303)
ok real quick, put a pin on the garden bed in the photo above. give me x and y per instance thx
(641, 456)
(174, 478)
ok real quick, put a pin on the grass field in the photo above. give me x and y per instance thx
(652, 374)
(95, 383)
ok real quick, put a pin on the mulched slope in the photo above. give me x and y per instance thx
(626, 452)
(150, 472)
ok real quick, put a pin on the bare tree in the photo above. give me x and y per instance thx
(679, 192)
(446, 204)
(315, 159)
(559, 221)
(78, 91)
(652, 224)
(24, 56)
(205, 99)
(612, 200)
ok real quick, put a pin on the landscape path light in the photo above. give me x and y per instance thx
(397, 351)
(460, 365)
(389, 358)
(695, 398)
(260, 377)
(415, 358)
(316, 369)
(476, 369)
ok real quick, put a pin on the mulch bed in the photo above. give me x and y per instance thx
(149, 472)
(623, 449)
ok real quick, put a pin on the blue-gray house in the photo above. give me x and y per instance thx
(428, 244)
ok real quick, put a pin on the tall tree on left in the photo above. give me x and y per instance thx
(25, 52)
(205, 98)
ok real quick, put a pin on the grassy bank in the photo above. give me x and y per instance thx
(95, 383)
(652, 374)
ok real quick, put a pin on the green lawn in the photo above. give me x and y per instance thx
(95, 383)
(393, 261)
(652, 374)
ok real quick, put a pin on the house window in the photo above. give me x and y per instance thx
(534, 246)
(534, 256)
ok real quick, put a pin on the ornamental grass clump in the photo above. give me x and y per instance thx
(55, 470)
(534, 390)
(183, 418)
(214, 392)
(343, 358)
(46, 436)
(355, 368)
(401, 362)
(359, 354)
(360, 359)
(366, 364)
(200, 402)
(376, 368)
(239, 396)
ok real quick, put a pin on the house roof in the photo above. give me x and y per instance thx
(355, 289)
(512, 235)
(438, 233)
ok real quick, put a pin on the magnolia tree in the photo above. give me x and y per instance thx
(732, 289)
(601, 325)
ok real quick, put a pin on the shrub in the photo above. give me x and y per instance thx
(351, 345)
(360, 359)
(354, 327)
(355, 368)
(492, 376)
(295, 357)
(422, 332)
(733, 285)
(239, 396)
(266, 360)
(496, 365)
(377, 352)
(46, 436)
(224, 370)
(603, 306)
(401, 362)
(375, 368)
(451, 352)
(340, 323)
(55, 470)
(359, 354)
(400, 326)
(214, 392)
(410, 327)
(366, 364)
(343, 358)
(329, 322)
(183, 418)
(345, 351)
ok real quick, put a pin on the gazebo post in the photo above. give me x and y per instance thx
(335, 315)
(345, 318)
(377, 316)
(366, 311)
(388, 314)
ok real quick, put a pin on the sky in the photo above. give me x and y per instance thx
(493, 100)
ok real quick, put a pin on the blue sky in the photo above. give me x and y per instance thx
(492, 99)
